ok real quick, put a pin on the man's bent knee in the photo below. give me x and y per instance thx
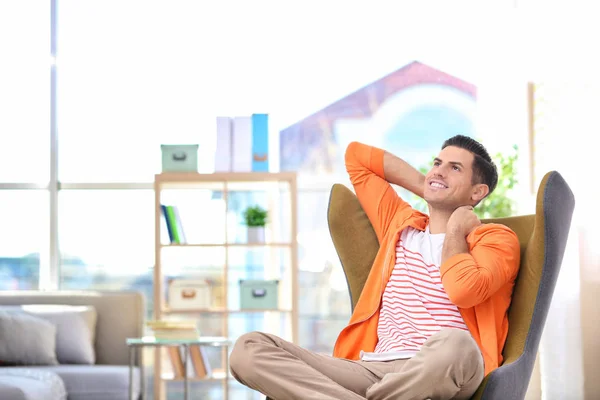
(461, 341)
(461, 351)
(241, 359)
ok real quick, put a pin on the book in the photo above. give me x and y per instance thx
(200, 361)
(176, 361)
(175, 334)
(223, 153)
(167, 224)
(260, 142)
(242, 144)
(179, 225)
(174, 329)
(172, 324)
(172, 222)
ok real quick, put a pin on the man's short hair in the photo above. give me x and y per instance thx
(484, 169)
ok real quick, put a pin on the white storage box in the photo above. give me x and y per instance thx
(179, 157)
(185, 294)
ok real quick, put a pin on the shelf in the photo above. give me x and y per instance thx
(215, 376)
(279, 310)
(218, 198)
(221, 311)
(194, 310)
(176, 180)
(227, 245)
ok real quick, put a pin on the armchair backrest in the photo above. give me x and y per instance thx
(542, 253)
(353, 237)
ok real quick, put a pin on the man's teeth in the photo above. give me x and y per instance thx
(437, 185)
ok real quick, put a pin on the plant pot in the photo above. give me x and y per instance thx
(256, 234)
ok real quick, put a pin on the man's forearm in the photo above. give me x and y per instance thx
(401, 173)
(454, 243)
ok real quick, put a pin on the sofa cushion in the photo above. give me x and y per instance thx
(10, 391)
(75, 329)
(30, 384)
(26, 340)
(96, 382)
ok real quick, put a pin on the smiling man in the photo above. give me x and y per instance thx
(432, 317)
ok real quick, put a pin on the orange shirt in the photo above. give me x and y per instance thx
(480, 282)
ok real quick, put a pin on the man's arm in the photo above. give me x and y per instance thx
(401, 173)
(454, 243)
(473, 272)
(371, 170)
(462, 222)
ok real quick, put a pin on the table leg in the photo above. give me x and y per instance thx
(142, 376)
(186, 356)
(131, 362)
(226, 384)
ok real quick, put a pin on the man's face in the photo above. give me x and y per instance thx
(448, 185)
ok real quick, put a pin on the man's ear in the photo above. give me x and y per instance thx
(479, 192)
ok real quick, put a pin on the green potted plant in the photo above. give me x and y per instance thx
(255, 218)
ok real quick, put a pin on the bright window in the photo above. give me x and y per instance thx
(24, 237)
(126, 89)
(106, 239)
(24, 91)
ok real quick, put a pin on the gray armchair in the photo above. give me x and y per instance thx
(543, 238)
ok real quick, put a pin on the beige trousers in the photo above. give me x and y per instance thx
(448, 366)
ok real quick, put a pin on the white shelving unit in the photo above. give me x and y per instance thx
(215, 248)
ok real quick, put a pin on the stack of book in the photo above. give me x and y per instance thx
(174, 329)
(242, 144)
(182, 330)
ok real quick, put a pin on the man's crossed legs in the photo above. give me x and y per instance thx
(448, 366)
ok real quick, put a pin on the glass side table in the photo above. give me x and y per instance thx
(151, 341)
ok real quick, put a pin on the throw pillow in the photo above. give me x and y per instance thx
(26, 339)
(75, 329)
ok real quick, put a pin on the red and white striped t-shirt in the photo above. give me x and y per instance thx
(415, 304)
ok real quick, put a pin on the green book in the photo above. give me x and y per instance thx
(172, 221)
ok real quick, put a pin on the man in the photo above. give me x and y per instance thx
(431, 321)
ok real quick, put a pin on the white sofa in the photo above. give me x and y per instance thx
(119, 315)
